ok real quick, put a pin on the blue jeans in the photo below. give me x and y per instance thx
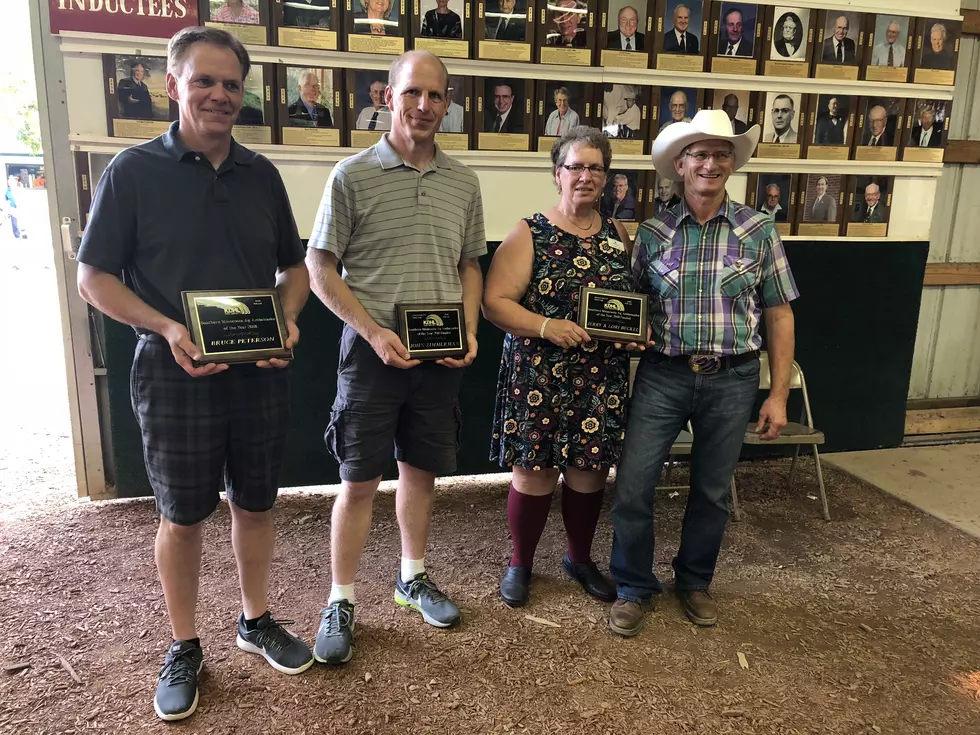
(666, 395)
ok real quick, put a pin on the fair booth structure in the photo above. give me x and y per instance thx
(864, 341)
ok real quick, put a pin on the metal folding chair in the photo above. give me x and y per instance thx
(799, 434)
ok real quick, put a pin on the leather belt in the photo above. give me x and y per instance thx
(711, 364)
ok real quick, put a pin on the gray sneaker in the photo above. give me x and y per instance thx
(335, 637)
(421, 594)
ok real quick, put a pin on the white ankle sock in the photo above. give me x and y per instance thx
(411, 568)
(341, 592)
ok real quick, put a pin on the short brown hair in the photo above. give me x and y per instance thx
(183, 39)
(580, 135)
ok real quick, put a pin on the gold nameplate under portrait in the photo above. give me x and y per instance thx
(867, 229)
(248, 34)
(631, 228)
(683, 62)
(453, 141)
(311, 136)
(449, 48)
(139, 128)
(252, 134)
(923, 155)
(779, 150)
(898, 74)
(391, 45)
(829, 152)
(934, 76)
(503, 141)
(787, 69)
(731, 65)
(365, 138)
(784, 228)
(629, 147)
(504, 51)
(823, 230)
(876, 153)
(318, 38)
(624, 59)
(835, 71)
(567, 56)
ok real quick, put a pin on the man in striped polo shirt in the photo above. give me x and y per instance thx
(711, 267)
(406, 222)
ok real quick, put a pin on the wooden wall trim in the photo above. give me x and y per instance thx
(971, 22)
(942, 421)
(962, 151)
(952, 274)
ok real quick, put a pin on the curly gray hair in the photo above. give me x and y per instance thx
(580, 135)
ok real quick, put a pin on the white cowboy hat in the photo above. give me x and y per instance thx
(706, 125)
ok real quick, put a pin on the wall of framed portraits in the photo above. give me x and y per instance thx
(856, 105)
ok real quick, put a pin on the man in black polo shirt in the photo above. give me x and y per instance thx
(193, 210)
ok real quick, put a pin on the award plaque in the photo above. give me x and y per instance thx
(736, 37)
(561, 107)
(311, 110)
(136, 101)
(614, 316)
(233, 326)
(307, 24)
(839, 46)
(255, 121)
(927, 125)
(820, 205)
(888, 51)
(246, 20)
(503, 115)
(788, 45)
(680, 42)
(868, 206)
(937, 46)
(624, 111)
(830, 127)
(879, 126)
(432, 331)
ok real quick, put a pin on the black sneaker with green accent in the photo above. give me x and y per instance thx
(284, 651)
(176, 696)
(335, 637)
(421, 594)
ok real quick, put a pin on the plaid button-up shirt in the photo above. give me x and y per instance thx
(709, 283)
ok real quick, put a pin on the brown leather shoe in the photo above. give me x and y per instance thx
(699, 607)
(626, 617)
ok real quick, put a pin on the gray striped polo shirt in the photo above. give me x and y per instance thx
(400, 233)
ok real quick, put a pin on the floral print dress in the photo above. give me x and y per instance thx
(558, 407)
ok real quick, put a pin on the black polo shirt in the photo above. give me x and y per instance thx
(165, 221)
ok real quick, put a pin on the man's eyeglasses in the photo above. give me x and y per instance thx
(719, 156)
(576, 169)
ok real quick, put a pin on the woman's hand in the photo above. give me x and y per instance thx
(565, 333)
(636, 346)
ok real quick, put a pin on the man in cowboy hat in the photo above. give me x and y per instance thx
(710, 266)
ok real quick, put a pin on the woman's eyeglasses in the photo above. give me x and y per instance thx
(576, 169)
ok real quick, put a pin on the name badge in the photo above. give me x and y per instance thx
(615, 244)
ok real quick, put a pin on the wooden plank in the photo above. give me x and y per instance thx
(942, 421)
(971, 22)
(962, 151)
(926, 404)
(952, 274)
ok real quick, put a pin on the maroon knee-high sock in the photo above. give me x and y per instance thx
(580, 512)
(526, 515)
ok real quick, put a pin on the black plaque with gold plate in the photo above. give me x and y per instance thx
(444, 27)
(562, 106)
(312, 24)
(257, 119)
(624, 112)
(503, 114)
(623, 33)
(310, 106)
(774, 194)
(240, 325)
(136, 100)
(566, 32)
(788, 45)
(376, 26)
(888, 48)
(614, 316)
(432, 331)
(368, 117)
(927, 124)
(878, 135)
(736, 37)
(457, 124)
(782, 116)
(247, 20)
(504, 30)
(937, 46)
(680, 39)
(869, 205)
(829, 131)
(839, 47)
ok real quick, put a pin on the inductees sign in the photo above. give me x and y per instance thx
(151, 18)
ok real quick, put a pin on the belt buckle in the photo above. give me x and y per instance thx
(704, 364)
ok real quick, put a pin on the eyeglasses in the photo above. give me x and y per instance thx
(719, 156)
(576, 169)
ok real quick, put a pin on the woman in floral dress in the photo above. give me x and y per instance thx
(561, 396)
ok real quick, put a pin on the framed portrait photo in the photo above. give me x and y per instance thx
(136, 100)
(869, 202)
(681, 38)
(774, 194)
(788, 47)
(504, 30)
(256, 119)
(457, 125)
(310, 106)
(624, 112)
(307, 24)
(247, 20)
(736, 35)
(376, 26)
(368, 117)
(443, 27)
(503, 114)
(926, 130)
(662, 194)
(937, 46)
(879, 128)
(783, 118)
(830, 127)
(560, 107)
(820, 205)
(888, 50)
(739, 104)
(566, 32)
(839, 48)
(677, 104)
(623, 197)
(624, 33)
